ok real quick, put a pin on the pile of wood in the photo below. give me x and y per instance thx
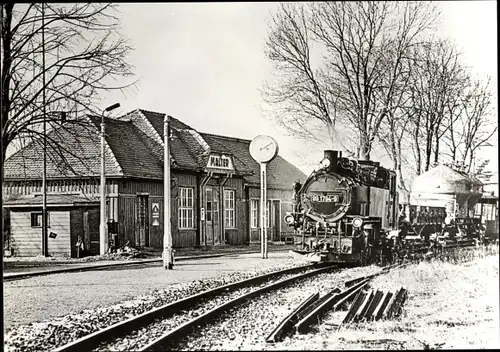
(375, 305)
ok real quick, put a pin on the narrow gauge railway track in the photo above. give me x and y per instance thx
(117, 334)
(165, 341)
(250, 323)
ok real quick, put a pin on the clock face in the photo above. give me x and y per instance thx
(263, 148)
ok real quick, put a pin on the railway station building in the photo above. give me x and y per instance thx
(215, 188)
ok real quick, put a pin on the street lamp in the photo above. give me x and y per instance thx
(103, 244)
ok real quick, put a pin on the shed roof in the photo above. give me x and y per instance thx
(53, 200)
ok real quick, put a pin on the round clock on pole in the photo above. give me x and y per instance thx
(263, 149)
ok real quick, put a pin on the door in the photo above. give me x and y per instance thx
(216, 216)
(209, 215)
(275, 220)
(142, 234)
(91, 219)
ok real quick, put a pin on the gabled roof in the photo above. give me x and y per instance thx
(131, 149)
(280, 173)
(198, 154)
(78, 145)
(157, 120)
(151, 125)
(235, 147)
(128, 151)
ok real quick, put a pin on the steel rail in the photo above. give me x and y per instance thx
(384, 270)
(286, 324)
(161, 343)
(93, 340)
(333, 301)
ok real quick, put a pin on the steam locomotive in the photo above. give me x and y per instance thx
(345, 212)
(348, 212)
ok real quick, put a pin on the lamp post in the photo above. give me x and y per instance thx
(103, 244)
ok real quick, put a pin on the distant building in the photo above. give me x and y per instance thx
(215, 188)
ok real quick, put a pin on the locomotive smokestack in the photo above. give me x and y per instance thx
(333, 156)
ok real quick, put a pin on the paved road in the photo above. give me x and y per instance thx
(46, 297)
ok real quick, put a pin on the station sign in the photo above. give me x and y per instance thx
(220, 161)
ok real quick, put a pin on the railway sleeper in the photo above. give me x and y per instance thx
(375, 305)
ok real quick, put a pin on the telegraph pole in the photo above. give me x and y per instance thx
(168, 260)
(45, 249)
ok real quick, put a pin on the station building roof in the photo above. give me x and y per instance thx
(134, 148)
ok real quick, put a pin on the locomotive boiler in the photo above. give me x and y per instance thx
(345, 212)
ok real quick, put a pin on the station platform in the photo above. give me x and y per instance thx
(45, 297)
(17, 269)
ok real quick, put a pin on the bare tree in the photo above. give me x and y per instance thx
(437, 84)
(480, 171)
(356, 77)
(301, 102)
(477, 124)
(84, 56)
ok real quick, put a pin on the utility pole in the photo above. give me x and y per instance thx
(103, 228)
(168, 259)
(45, 249)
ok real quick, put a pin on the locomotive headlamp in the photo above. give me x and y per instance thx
(357, 222)
(325, 162)
(289, 219)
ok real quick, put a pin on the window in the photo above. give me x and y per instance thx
(36, 219)
(209, 197)
(229, 209)
(254, 213)
(186, 209)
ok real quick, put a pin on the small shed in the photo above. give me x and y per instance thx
(70, 218)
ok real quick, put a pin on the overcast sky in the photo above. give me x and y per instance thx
(204, 63)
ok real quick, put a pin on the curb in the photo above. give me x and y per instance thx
(15, 276)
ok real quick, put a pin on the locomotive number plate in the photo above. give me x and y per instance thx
(325, 198)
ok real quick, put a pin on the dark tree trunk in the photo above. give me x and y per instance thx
(6, 20)
(364, 147)
(428, 152)
(436, 150)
